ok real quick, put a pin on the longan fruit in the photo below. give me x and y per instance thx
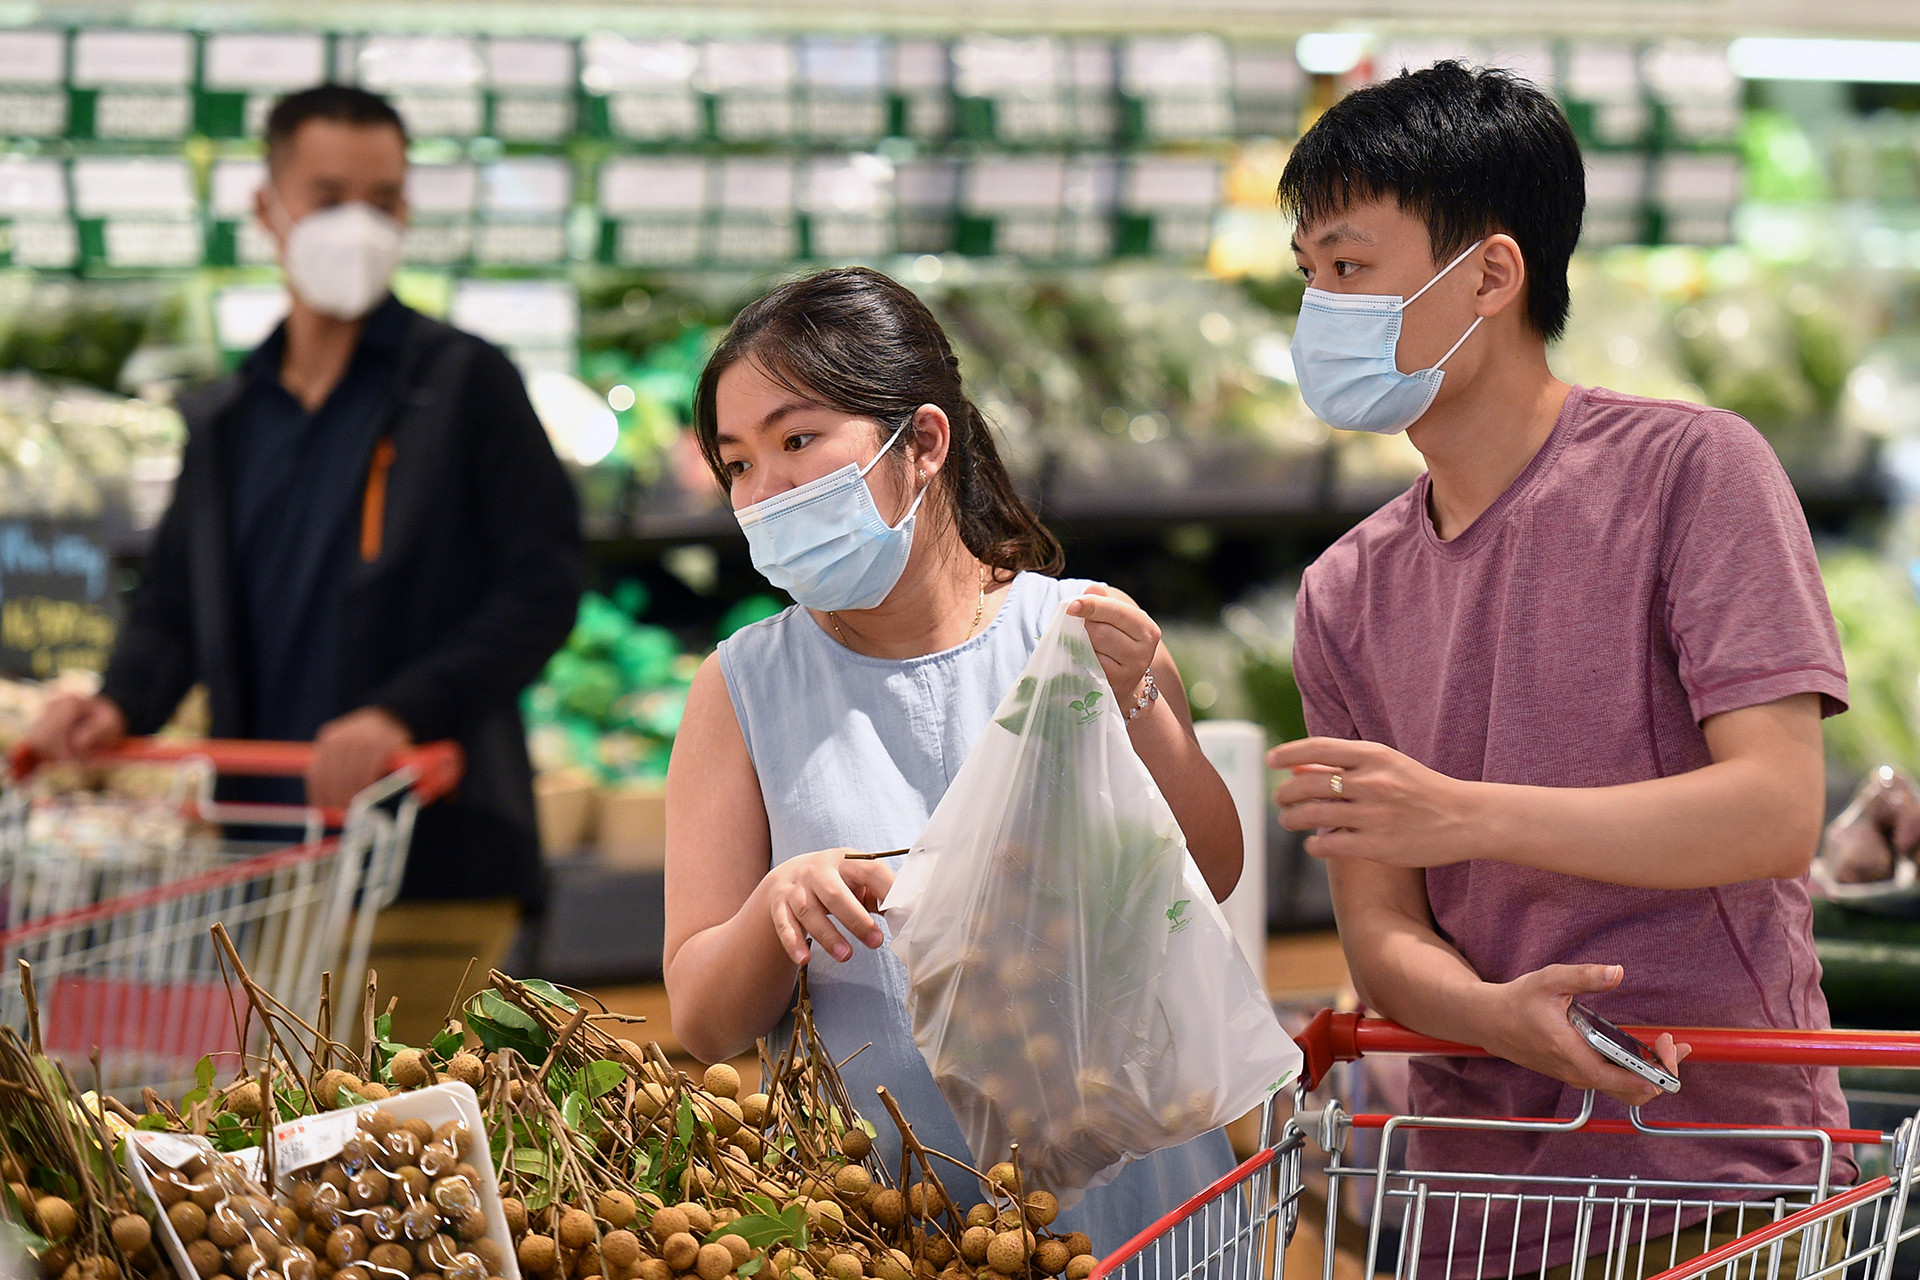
(738, 1247)
(1007, 1253)
(852, 1182)
(699, 1218)
(56, 1218)
(244, 1260)
(374, 1091)
(1078, 1242)
(722, 1080)
(467, 1068)
(681, 1251)
(491, 1255)
(515, 1210)
(414, 1185)
(438, 1159)
(887, 1207)
(437, 1252)
(1081, 1267)
(615, 1208)
(981, 1215)
(418, 1128)
(754, 1109)
(297, 1262)
(725, 1116)
(358, 1271)
(844, 1266)
(189, 1221)
(797, 1272)
(974, 1244)
(456, 1135)
(669, 1222)
(1042, 1208)
(538, 1254)
(1052, 1257)
(132, 1233)
(455, 1194)
(470, 1225)
(654, 1269)
(208, 1195)
(826, 1217)
(939, 1251)
(346, 1246)
(245, 1101)
(225, 1229)
(620, 1248)
(892, 1265)
(332, 1081)
(855, 1144)
(1004, 1176)
(367, 1190)
(409, 1068)
(206, 1258)
(576, 1229)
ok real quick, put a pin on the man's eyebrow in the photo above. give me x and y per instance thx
(1339, 231)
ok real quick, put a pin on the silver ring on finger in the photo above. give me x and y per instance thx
(1338, 783)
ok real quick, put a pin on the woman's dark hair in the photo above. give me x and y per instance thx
(1470, 152)
(854, 340)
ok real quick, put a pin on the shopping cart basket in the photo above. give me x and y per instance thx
(1622, 1228)
(111, 900)
(1236, 1229)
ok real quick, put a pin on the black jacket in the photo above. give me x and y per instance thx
(474, 585)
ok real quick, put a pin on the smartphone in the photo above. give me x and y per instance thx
(1617, 1046)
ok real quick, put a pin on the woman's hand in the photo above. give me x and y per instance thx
(1124, 637)
(807, 894)
(1530, 1028)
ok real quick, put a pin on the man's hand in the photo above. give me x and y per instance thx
(1369, 801)
(352, 753)
(1529, 1026)
(72, 727)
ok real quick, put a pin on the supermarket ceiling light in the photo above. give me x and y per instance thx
(1330, 53)
(1855, 61)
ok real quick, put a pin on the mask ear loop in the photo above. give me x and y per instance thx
(1456, 346)
(1443, 274)
(919, 497)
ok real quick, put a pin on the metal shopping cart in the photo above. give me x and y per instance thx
(1236, 1229)
(111, 899)
(1622, 1228)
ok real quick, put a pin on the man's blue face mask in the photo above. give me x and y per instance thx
(825, 543)
(1344, 348)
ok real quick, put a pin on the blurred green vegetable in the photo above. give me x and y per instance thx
(1879, 619)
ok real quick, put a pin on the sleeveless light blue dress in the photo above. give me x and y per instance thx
(855, 752)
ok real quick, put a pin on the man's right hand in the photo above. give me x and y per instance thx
(73, 727)
(1530, 1028)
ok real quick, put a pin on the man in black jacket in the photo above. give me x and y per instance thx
(371, 545)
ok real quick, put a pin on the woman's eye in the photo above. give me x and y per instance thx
(735, 468)
(793, 444)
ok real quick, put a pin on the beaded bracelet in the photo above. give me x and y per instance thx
(1149, 694)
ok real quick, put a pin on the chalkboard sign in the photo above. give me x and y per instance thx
(58, 607)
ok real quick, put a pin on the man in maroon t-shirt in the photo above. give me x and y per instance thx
(1565, 691)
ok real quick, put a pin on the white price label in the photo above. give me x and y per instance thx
(533, 184)
(108, 185)
(312, 1139)
(172, 1149)
(235, 183)
(985, 66)
(612, 62)
(154, 58)
(832, 62)
(442, 189)
(759, 65)
(31, 187)
(646, 185)
(531, 119)
(1004, 184)
(421, 62)
(750, 183)
(529, 64)
(1152, 65)
(32, 57)
(239, 61)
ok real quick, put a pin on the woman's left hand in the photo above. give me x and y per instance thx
(1124, 638)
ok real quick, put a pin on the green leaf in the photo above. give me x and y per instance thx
(448, 1043)
(757, 1229)
(20, 1241)
(348, 1098)
(153, 1122)
(687, 1123)
(383, 1027)
(751, 1266)
(501, 1025)
(602, 1077)
(203, 1072)
(530, 1162)
(551, 994)
(573, 1110)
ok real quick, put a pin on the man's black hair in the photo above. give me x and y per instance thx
(1470, 152)
(339, 103)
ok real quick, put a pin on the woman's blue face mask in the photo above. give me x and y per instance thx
(1344, 357)
(825, 543)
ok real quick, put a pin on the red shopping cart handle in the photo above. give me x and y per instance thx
(1347, 1037)
(437, 765)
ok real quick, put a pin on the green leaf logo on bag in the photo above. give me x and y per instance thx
(1088, 707)
(1177, 917)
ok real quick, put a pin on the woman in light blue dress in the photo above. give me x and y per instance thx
(870, 489)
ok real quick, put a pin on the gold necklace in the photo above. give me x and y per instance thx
(979, 612)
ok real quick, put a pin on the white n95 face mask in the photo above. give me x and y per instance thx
(340, 260)
(1344, 348)
(826, 544)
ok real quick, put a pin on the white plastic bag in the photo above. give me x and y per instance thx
(1073, 986)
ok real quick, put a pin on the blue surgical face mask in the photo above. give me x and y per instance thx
(1343, 357)
(825, 543)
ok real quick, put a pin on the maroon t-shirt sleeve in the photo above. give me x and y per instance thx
(1746, 610)
(1327, 714)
